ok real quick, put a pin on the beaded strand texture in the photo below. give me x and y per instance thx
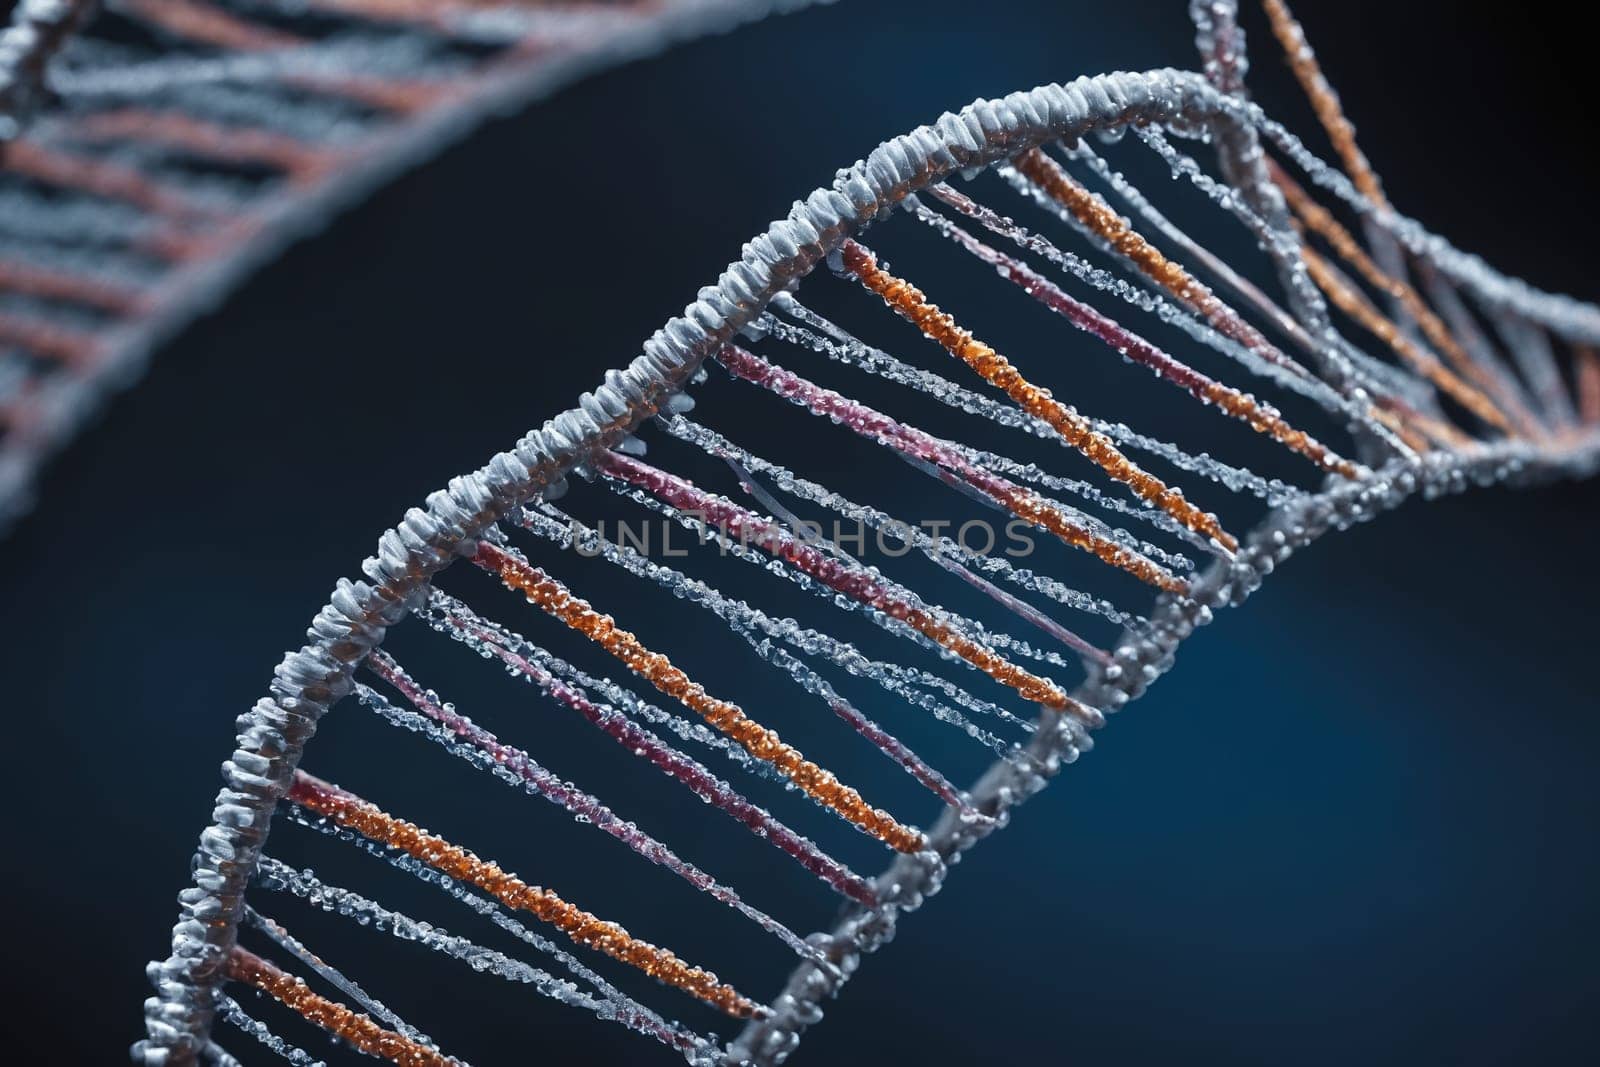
(375, 824)
(556, 600)
(908, 301)
(338, 1020)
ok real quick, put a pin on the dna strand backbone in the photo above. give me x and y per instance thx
(154, 153)
(1383, 364)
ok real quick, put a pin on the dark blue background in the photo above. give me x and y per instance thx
(1356, 824)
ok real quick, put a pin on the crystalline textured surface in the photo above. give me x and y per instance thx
(1145, 569)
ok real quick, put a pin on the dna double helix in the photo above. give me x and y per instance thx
(1388, 363)
(154, 153)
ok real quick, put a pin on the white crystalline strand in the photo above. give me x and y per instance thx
(714, 443)
(611, 1004)
(844, 348)
(993, 639)
(1562, 314)
(334, 977)
(231, 1012)
(1280, 369)
(278, 876)
(1287, 250)
(441, 606)
(805, 338)
(514, 654)
(1033, 474)
(756, 626)
(1283, 245)
(708, 533)
(1135, 199)
(877, 362)
(1318, 336)
(1303, 382)
(1286, 373)
(554, 523)
(951, 558)
(469, 742)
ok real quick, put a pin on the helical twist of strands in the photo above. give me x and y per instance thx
(1221, 43)
(1322, 222)
(110, 244)
(459, 520)
(1140, 659)
(273, 734)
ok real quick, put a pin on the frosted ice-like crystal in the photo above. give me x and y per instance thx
(275, 875)
(1389, 379)
(905, 682)
(877, 362)
(1134, 197)
(1281, 368)
(950, 559)
(1289, 375)
(1341, 354)
(709, 532)
(1137, 509)
(940, 459)
(1033, 474)
(1563, 315)
(275, 932)
(996, 639)
(1282, 244)
(1317, 336)
(613, 1003)
(444, 612)
(934, 547)
(560, 528)
(901, 680)
(466, 740)
(231, 1012)
(847, 349)
(515, 652)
